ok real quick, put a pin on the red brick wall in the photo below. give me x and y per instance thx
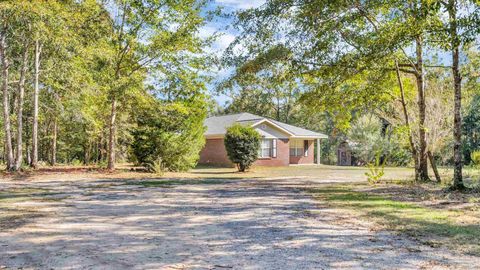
(214, 153)
(304, 159)
(282, 156)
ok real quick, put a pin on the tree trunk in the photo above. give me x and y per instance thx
(87, 153)
(6, 104)
(457, 116)
(36, 90)
(422, 154)
(111, 138)
(413, 147)
(278, 110)
(20, 100)
(102, 148)
(53, 161)
(28, 153)
(287, 112)
(434, 166)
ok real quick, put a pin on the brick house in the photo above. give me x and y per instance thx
(282, 144)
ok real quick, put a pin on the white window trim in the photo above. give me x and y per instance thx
(297, 145)
(270, 147)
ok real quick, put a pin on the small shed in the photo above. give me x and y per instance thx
(344, 154)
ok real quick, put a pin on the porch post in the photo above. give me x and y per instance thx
(318, 151)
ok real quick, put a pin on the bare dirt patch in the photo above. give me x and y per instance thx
(20, 206)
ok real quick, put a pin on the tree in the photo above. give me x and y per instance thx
(439, 112)
(366, 139)
(145, 34)
(242, 144)
(169, 122)
(262, 86)
(471, 129)
(169, 135)
(461, 30)
(46, 30)
(65, 63)
(333, 44)
(5, 91)
(14, 51)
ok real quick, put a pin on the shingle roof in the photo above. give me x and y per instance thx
(217, 125)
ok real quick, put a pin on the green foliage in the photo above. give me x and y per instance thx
(76, 162)
(475, 156)
(263, 86)
(366, 138)
(96, 51)
(344, 63)
(369, 138)
(446, 226)
(471, 129)
(242, 144)
(169, 135)
(375, 170)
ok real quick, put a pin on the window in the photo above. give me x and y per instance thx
(268, 148)
(296, 148)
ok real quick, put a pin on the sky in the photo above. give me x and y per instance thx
(222, 26)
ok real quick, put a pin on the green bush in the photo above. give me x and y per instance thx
(169, 136)
(242, 145)
(471, 129)
(475, 156)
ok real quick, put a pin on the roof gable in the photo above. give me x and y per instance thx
(268, 129)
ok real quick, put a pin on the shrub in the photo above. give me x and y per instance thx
(376, 170)
(76, 162)
(242, 145)
(475, 156)
(169, 136)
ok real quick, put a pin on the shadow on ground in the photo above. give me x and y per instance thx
(208, 224)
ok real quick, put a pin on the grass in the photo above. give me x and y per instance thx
(169, 183)
(13, 213)
(128, 171)
(457, 229)
(25, 194)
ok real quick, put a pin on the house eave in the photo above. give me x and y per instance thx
(309, 137)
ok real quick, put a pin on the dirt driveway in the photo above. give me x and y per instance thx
(209, 224)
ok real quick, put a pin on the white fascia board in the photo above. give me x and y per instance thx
(310, 137)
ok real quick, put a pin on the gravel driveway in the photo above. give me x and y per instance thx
(238, 224)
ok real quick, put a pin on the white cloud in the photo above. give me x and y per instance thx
(224, 40)
(221, 43)
(241, 4)
(207, 31)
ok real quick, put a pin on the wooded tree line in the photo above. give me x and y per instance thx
(344, 59)
(82, 81)
(95, 81)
